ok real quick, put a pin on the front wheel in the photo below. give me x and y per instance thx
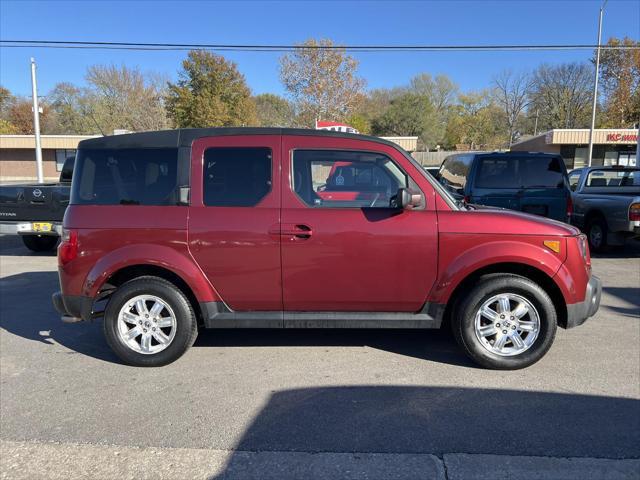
(149, 322)
(40, 243)
(505, 322)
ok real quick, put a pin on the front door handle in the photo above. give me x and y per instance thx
(297, 230)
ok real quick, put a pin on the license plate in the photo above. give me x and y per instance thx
(41, 227)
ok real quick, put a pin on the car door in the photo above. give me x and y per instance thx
(344, 248)
(234, 218)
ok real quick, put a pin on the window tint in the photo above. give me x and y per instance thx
(125, 177)
(497, 172)
(541, 172)
(236, 177)
(613, 178)
(520, 172)
(454, 172)
(328, 178)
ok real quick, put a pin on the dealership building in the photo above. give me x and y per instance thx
(612, 146)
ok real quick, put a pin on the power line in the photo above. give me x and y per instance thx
(71, 44)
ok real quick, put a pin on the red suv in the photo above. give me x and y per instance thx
(170, 231)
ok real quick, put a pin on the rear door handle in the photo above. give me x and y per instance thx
(297, 230)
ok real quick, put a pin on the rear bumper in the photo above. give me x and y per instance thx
(72, 306)
(26, 228)
(578, 313)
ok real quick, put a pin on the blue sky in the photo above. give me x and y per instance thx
(286, 22)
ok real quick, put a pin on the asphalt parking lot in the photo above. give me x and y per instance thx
(314, 404)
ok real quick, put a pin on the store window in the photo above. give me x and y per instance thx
(62, 155)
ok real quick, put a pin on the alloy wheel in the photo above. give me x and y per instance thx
(507, 324)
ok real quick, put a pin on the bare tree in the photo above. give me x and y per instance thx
(562, 94)
(122, 97)
(321, 82)
(513, 95)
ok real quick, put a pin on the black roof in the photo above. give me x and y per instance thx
(184, 137)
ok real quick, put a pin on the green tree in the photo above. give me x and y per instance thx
(7, 128)
(408, 115)
(322, 82)
(273, 111)
(441, 92)
(620, 80)
(359, 122)
(210, 92)
(475, 123)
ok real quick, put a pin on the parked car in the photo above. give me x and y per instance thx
(35, 210)
(529, 182)
(233, 228)
(606, 204)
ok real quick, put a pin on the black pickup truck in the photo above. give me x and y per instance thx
(34, 211)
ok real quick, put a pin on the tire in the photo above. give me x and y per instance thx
(597, 234)
(518, 291)
(174, 306)
(40, 243)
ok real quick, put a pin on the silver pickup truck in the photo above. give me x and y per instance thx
(606, 204)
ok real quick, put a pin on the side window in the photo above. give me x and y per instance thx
(536, 172)
(497, 173)
(347, 179)
(236, 177)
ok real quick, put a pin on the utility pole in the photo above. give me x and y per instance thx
(36, 121)
(595, 85)
(535, 127)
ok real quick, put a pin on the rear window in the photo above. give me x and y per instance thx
(613, 178)
(125, 177)
(523, 172)
(454, 171)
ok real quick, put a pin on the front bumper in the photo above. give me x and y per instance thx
(578, 313)
(26, 228)
(79, 307)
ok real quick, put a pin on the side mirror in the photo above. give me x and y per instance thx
(407, 200)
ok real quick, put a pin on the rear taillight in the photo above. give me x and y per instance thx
(68, 249)
(569, 207)
(634, 212)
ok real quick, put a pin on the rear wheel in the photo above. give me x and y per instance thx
(505, 322)
(40, 243)
(597, 234)
(149, 322)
